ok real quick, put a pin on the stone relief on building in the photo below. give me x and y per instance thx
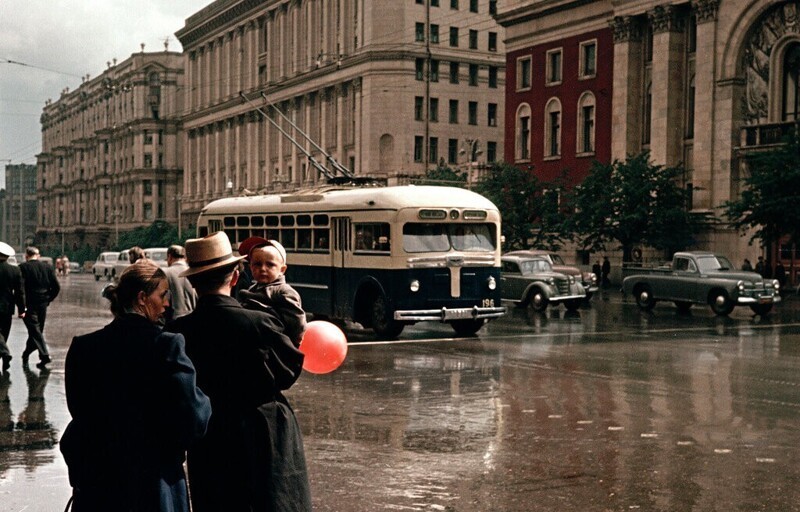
(776, 23)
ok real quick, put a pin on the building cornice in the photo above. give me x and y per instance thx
(533, 10)
(217, 15)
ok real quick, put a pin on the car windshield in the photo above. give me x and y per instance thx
(157, 255)
(440, 237)
(712, 263)
(111, 258)
(535, 266)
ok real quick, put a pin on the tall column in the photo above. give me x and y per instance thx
(702, 181)
(666, 140)
(341, 118)
(282, 46)
(626, 102)
(309, 54)
(358, 93)
(312, 172)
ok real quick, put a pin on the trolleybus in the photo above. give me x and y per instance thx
(384, 257)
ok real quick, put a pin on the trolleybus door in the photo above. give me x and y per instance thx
(340, 291)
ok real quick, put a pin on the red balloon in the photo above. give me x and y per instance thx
(324, 346)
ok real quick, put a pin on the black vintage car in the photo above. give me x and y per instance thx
(530, 281)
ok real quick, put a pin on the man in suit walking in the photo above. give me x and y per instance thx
(41, 288)
(183, 297)
(12, 294)
(252, 457)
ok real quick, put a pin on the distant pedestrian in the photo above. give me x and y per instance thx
(760, 266)
(606, 271)
(135, 405)
(135, 254)
(780, 273)
(183, 297)
(12, 293)
(41, 288)
(747, 266)
(597, 270)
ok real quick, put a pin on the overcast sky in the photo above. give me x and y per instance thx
(68, 39)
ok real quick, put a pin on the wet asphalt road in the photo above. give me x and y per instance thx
(606, 410)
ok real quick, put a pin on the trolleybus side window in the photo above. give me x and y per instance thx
(372, 237)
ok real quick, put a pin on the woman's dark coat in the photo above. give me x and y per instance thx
(135, 410)
(252, 458)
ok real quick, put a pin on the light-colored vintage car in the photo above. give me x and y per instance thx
(104, 265)
(697, 277)
(530, 281)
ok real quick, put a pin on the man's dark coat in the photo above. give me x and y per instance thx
(135, 409)
(252, 457)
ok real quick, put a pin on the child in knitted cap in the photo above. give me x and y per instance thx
(269, 290)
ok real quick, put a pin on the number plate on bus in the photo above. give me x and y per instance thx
(457, 314)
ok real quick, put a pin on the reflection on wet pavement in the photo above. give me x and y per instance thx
(606, 409)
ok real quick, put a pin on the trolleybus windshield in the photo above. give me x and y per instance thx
(440, 237)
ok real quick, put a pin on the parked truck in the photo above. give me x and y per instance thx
(701, 278)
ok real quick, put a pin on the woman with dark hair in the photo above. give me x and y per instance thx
(135, 405)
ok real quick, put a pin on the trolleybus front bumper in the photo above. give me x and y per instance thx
(449, 314)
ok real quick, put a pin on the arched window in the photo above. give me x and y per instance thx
(586, 114)
(791, 83)
(522, 149)
(552, 128)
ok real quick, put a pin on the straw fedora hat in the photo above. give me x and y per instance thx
(6, 250)
(207, 253)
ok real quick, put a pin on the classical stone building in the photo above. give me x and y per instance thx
(703, 83)
(387, 87)
(112, 155)
(19, 206)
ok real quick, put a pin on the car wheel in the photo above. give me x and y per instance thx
(644, 298)
(538, 301)
(761, 309)
(467, 327)
(720, 303)
(573, 304)
(383, 323)
(683, 307)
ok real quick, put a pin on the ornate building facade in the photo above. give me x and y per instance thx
(702, 83)
(112, 155)
(388, 88)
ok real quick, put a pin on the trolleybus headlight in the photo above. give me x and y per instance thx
(740, 286)
(414, 286)
(491, 283)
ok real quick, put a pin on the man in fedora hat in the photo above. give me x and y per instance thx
(41, 288)
(252, 457)
(12, 293)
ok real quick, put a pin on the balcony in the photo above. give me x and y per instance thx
(763, 136)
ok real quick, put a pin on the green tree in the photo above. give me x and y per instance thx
(157, 234)
(770, 201)
(529, 207)
(632, 202)
(444, 176)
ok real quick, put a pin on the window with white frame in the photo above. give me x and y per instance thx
(523, 73)
(552, 129)
(588, 56)
(523, 132)
(586, 115)
(553, 66)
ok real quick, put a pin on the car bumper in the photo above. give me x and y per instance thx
(763, 299)
(449, 314)
(562, 298)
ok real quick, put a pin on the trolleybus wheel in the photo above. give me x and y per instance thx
(467, 327)
(383, 323)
